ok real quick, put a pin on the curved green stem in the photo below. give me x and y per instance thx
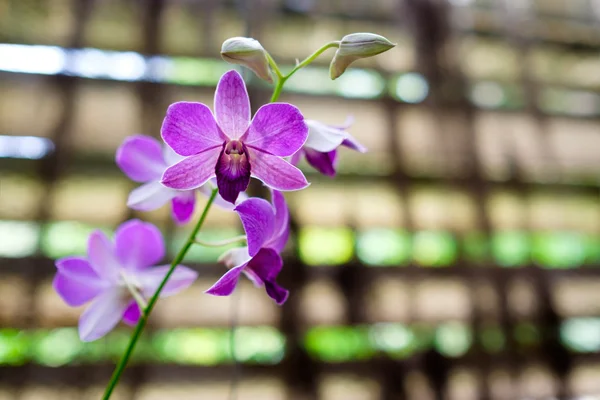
(281, 79)
(144, 317)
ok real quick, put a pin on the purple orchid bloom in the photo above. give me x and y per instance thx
(267, 233)
(320, 149)
(230, 146)
(143, 159)
(114, 276)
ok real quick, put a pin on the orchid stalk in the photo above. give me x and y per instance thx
(216, 153)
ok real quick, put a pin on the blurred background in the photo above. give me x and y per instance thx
(458, 259)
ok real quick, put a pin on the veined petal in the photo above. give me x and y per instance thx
(132, 314)
(233, 172)
(183, 206)
(193, 171)
(322, 162)
(190, 128)
(277, 128)
(150, 196)
(180, 279)
(76, 282)
(258, 219)
(232, 105)
(102, 315)
(275, 172)
(140, 158)
(139, 245)
(322, 137)
(101, 256)
(226, 285)
(282, 219)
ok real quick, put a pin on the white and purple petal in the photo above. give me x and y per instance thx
(277, 128)
(140, 157)
(190, 128)
(183, 206)
(323, 138)
(192, 172)
(150, 196)
(353, 144)
(275, 172)
(102, 257)
(232, 105)
(181, 278)
(76, 282)
(139, 245)
(102, 315)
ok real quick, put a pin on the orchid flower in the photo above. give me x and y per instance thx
(267, 232)
(320, 149)
(230, 146)
(143, 159)
(117, 277)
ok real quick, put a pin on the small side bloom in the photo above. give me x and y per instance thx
(267, 232)
(143, 159)
(320, 149)
(230, 146)
(114, 275)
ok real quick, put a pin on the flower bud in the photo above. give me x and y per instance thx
(356, 46)
(249, 53)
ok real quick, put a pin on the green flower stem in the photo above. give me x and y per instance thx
(281, 79)
(144, 318)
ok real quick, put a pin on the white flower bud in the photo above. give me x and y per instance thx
(249, 53)
(356, 46)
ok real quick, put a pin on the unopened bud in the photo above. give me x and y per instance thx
(356, 46)
(249, 53)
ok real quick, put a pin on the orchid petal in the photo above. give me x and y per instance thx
(101, 256)
(140, 157)
(132, 314)
(322, 162)
(323, 138)
(282, 219)
(181, 278)
(277, 128)
(76, 282)
(138, 245)
(183, 206)
(234, 257)
(352, 143)
(233, 175)
(265, 266)
(258, 220)
(190, 128)
(102, 315)
(275, 172)
(296, 157)
(150, 196)
(232, 105)
(227, 283)
(192, 172)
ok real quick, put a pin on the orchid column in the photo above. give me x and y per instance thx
(214, 152)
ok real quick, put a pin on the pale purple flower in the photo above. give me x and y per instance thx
(320, 149)
(230, 146)
(143, 159)
(112, 272)
(267, 232)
